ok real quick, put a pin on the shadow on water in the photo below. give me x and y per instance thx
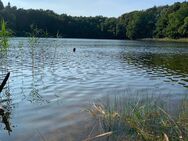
(5, 117)
(6, 108)
(173, 67)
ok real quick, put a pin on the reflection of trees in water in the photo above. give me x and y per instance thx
(168, 65)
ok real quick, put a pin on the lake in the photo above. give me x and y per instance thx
(50, 85)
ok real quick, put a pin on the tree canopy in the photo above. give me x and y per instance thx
(166, 21)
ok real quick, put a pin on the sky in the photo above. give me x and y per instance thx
(109, 8)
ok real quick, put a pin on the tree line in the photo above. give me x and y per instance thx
(164, 21)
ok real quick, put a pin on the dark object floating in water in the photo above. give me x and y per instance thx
(4, 82)
(74, 49)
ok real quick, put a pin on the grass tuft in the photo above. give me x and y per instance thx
(144, 119)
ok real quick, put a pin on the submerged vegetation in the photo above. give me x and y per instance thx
(157, 22)
(146, 119)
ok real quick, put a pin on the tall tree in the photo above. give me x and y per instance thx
(165, 21)
(1, 5)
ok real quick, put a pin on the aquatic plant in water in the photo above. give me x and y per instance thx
(4, 35)
(141, 119)
(5, 108)
(33, 36)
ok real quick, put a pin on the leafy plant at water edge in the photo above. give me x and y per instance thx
(143, 120)
(4, 35)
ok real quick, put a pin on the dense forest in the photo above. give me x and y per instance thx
(165, 21)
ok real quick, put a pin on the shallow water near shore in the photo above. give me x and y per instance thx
(50, 85)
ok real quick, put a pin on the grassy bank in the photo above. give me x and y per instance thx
(146, 119)
(183, 40)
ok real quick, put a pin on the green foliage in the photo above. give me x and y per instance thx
(143, 119)
(4, 34)
(167, 21)
(161, 24)
(183, 29)
(33, 36)
(135, 27)
(172, 21)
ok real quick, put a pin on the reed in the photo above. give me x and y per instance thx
(139, 119)
(4, 35)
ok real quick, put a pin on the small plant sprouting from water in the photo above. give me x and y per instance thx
(33, 40)
(4, 45)
(4, 35)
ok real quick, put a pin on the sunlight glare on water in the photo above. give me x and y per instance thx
(50, 84)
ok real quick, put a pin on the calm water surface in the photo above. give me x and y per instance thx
(50, 85)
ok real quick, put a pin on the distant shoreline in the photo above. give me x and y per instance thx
(180, 40)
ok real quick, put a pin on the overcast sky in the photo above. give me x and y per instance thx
(110, 8)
